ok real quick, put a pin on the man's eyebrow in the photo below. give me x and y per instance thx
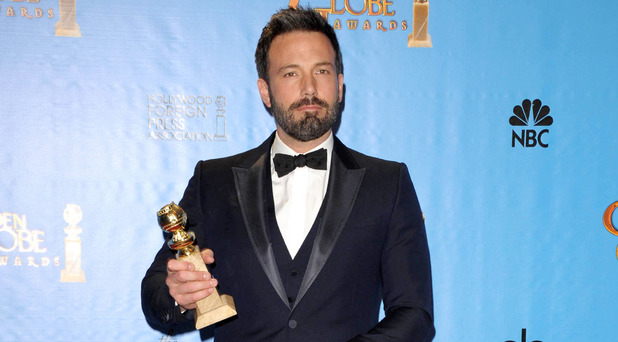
(319, 64)
(322, 64)
(289, 66)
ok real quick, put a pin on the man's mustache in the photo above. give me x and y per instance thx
(306, 101)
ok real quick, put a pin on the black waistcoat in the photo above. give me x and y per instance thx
(291, 270)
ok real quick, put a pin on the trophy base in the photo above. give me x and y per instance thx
(213, 308)
(419, 43)
(223, 308)
(68, 31)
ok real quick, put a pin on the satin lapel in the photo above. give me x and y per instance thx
(250, 191)
(343, 187)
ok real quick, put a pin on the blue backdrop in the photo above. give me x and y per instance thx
(103, 119)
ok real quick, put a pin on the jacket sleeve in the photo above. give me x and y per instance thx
(406, 273)
(160, 309)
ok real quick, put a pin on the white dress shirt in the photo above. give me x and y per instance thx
(298, 195)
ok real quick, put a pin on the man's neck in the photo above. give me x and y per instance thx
(301, 146)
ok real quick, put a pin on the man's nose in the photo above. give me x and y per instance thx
(308, 86)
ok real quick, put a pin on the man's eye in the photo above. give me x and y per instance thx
(289, 74)
(322, 71)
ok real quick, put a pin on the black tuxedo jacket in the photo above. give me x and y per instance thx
(370, 246)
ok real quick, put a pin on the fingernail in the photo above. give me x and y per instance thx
(213, 282)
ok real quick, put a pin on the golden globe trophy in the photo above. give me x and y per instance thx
(67, 25)
(215, 307)
(419, 36)
(72, 271)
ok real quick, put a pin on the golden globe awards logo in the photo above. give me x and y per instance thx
(21, 246)
(66, 26)
(377, 15)
(184, 117)
(366, 15)
(28, 9)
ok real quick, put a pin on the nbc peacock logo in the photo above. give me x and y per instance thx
(523, 337)
(538, 117)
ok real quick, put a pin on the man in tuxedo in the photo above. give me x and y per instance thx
(309, 236)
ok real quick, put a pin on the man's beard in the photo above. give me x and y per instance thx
(310, 126)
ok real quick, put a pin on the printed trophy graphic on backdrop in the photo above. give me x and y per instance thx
(215, 307)
(67, 25)
(419, 36)
(220, 129)
(72, 272)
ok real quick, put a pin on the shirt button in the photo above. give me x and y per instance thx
(291, 300)
(293, 273)
(292, 324)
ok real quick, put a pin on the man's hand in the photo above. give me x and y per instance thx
(186, 285)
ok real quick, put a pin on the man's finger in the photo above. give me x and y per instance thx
(187, 293)
(188, 300)
(194, 286)
(208, 256)
(189, 276)
(174, 265)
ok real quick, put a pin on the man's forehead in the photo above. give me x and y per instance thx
(288, 45)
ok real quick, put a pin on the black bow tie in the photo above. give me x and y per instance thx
(285, 163)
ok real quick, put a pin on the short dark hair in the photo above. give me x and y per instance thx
(293, 20)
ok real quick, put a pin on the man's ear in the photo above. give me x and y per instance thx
(340, 85)
(264, 91)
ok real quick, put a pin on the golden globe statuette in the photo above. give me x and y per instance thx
(215, 307)
(67, 25)
(419, 36)
(72, 272)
